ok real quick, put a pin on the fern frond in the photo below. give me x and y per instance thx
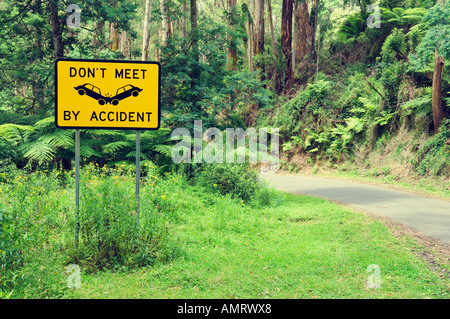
(38, 151)
(165, 150)
(113, 147)
(15, 133)
(48, 121)
(59, 138)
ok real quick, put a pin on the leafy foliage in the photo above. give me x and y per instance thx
(433, 157)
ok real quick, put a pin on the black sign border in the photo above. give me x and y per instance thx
(104, 127)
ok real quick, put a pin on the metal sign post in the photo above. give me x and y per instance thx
(138, 169)
(77, 184)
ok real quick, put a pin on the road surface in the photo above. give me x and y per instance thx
(431, 217)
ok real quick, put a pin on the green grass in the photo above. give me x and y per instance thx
(305, 248)
(219, 247)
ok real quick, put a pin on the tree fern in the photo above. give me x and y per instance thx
(116, 146)
(402, 17)
(38, 151)
(60, 138)
(349, 31)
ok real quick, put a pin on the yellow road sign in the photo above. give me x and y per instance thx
(107, 94)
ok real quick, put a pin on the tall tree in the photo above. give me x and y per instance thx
(231, 52)
(184, 20)
(259, 26)
(56, 29)
(146, 30)
(259, 33)
(195, 70)
(250, 28)
(286, 42)
(274, 48)
(435, 44)
(436, 100)
(304, 35)
(166, 26)
(437, 105)
(113, 36)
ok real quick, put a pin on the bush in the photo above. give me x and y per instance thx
(238, 180)
(31, 220)
(433, 157)
(37, 226)
(112, 233)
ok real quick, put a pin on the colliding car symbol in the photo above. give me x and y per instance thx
(95, 93)
(124, 92)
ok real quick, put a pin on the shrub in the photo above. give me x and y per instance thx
(112, 234)
(433, 157)
(31, 220)
(238, 180)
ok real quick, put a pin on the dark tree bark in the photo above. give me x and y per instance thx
(259, 33)
(286, 42)
(232, 52)
(274, 48)
(259, 26)
(304, 36)
(166, 25)
(437, 106)
(56, 29)
(195, 71)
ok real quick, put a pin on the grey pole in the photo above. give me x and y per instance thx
(77, 184)
(138, 169)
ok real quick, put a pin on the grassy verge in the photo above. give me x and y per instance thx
(304, 248)
(203, 245)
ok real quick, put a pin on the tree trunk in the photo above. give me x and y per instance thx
(275, 75)
(125, 45)
(195, 70)
(232, 53)
(56, 30)
(274, 48)
(259, 33)
(184, 20)
(113, 36)
(259, 26)
(438, 111)
(166, 25)
(314, 17)
(250, 42)
(193, 18)
(304, 33)
(146, 30)
(296, 26)
(38, 40)
(286, 42)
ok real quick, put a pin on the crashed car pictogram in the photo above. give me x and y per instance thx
(124, 92)
(93, 92)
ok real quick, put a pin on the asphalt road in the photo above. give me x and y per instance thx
(431, 217)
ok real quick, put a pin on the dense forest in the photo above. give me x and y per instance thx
(341, 79)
